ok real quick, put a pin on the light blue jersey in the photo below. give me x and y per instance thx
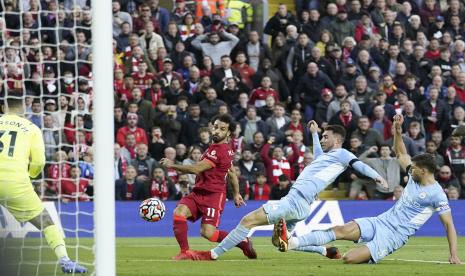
(325, 168)
(389, 231)
(416, 205)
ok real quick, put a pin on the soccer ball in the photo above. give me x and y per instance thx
(152, 209)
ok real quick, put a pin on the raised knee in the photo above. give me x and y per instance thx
(180, 211)
(206, 233)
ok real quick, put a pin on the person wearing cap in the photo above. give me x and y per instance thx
(167, 75)
(334, 58)
(349, 75)
(341, 27)
(131, 128)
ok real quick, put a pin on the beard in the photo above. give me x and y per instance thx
(217, 139)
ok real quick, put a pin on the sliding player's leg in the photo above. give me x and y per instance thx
(56, 242)
(181, 214)
(237, 235)
(213, 234)
(358, 255)
(349, 231)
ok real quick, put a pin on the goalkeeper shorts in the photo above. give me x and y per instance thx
(20, 200)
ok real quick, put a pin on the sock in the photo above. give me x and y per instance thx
(317, 238)
(310, 248)
(232, 239)
(219, 236)
(180, 232)
(55, 241)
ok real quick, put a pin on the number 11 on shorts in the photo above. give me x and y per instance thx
(211, 212)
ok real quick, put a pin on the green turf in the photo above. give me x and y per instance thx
(152, 256)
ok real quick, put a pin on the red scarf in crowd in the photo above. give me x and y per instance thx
(159, 190)
(279, 168)
(345, 119)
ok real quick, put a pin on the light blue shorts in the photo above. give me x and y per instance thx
(293, 208)
(381, 241)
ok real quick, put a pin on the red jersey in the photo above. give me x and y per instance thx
(260, 94)
(143, 82)
(141, 136)
(71, 188)
(214, 179)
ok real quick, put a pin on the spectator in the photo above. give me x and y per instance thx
(447, 179)
(161, 186)
(261, 189)
(128, 188)
(211, 104)
(183, 187)
(52, 138)
(119, 17)
(278, 23)
(381, 123)
(370, 137)
(434, 112)
(398, 190)
(455, 155)
(215, 48)
(74, 187)
(341, 27)
(191, 125)
(194, 155)
(341, 94)
(143, 163)
(172, 174)
(157, 144)
(278, 164)
(431, 148)
(139, 133)
(250, 124)
(453, 193)
(299, 56)
(244, 185)
(345, 117)
(282, 189)
(277, 121)
(386, 166)
(121, 163)
(249, 166)
(309, 87)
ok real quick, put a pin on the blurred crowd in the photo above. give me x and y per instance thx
(354, 63)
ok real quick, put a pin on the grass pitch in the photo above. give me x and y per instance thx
(152, 256)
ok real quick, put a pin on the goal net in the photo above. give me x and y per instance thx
(46, 59)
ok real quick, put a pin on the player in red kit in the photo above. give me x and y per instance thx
(209, 194)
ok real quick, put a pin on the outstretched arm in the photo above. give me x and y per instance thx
(317, 150)
(368, 172)
(192, 169)
(399, 146)
(446, 219)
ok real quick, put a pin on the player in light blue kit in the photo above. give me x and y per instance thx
(330, 160)
(391, 230)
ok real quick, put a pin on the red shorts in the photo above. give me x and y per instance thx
(205, 205)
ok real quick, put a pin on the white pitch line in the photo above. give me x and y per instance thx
(418, 261)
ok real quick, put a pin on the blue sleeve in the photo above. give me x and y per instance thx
(364, 169)
(317, 150)
(440, 202)
(349, 159)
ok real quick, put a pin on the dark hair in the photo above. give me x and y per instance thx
(425, 161)
(384, 145)
(225, 118)
(337, 129)
(14, 102)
